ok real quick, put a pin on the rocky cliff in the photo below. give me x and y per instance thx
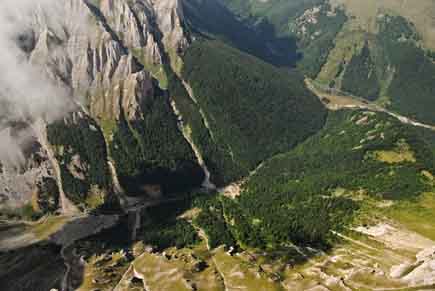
(108, 56)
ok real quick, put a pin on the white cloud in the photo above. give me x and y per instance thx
(26, 93)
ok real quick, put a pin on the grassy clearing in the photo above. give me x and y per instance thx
(416, 215)
(160, 274)
(156, 70)
(420, 14)
(393, 157)
(48, 226)
(348, 44)
(240, 275)
(199, 267)
(359, 263)
(108, 126)
(103, 271)
(402, 153)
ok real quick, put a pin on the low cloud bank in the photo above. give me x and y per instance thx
(26, 94)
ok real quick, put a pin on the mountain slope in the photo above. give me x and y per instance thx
(253, 109)
(184, 150)
(357, 154)
(141, 98)
(380, 50)
(101, 55)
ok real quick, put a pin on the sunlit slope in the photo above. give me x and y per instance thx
(319, 187)
(421, 13)
(252, 109)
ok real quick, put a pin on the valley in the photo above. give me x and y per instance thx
(217, 145)
(383, 255)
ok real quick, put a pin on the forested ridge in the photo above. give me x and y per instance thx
(254, 109)
(152, 150)
(300, 196)
(81, 151)
(413, 87)
(360, 77)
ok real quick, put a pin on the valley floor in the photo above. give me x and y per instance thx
(393, 250)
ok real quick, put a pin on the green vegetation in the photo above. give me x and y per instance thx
(431, 55)
(360, 77)
(211, 220)
(296, 196)
(254, 35)
(216, 157)
(48, 195)
(152, 150)
(25, 212)
(254, 110)
(157, 71)
(278, 19)
(390, 65)
(163, 229)
(318, 39)
(177, 233)
(80, 148)
(416, 215)
(413, 86)
(280, 14)
(48, 226)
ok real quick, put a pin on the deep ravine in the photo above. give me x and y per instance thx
(187, 133)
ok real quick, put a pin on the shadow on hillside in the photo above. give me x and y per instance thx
(212, 19)
(33, 268)
(41, 267)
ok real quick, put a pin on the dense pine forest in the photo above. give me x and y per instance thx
(254, 109)
(301, 196)
(152, 150)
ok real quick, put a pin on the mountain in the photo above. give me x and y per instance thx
(147, 109)
(217, 145)
(381, 50)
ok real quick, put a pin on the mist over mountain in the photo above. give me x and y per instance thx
(217, 145)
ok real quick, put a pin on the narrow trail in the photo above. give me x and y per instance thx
(67, 207)
(347, 238)
(342, 100)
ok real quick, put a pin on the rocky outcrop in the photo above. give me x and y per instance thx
(100, 53)
(23, 175)
(113, 42)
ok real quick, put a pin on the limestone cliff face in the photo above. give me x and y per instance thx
(101, 53)
(26, 176)
(94, 49)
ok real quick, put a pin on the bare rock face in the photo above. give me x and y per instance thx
(110, 45)
(169, 15)
(100, 53)
(24, 173)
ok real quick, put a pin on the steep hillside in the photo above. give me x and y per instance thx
(371, 50)
(261, 39)
(358, 154)
(109, 58)
(253, 109)
(217, 145)
(149, 114)
(421, 15)
(389, 66)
